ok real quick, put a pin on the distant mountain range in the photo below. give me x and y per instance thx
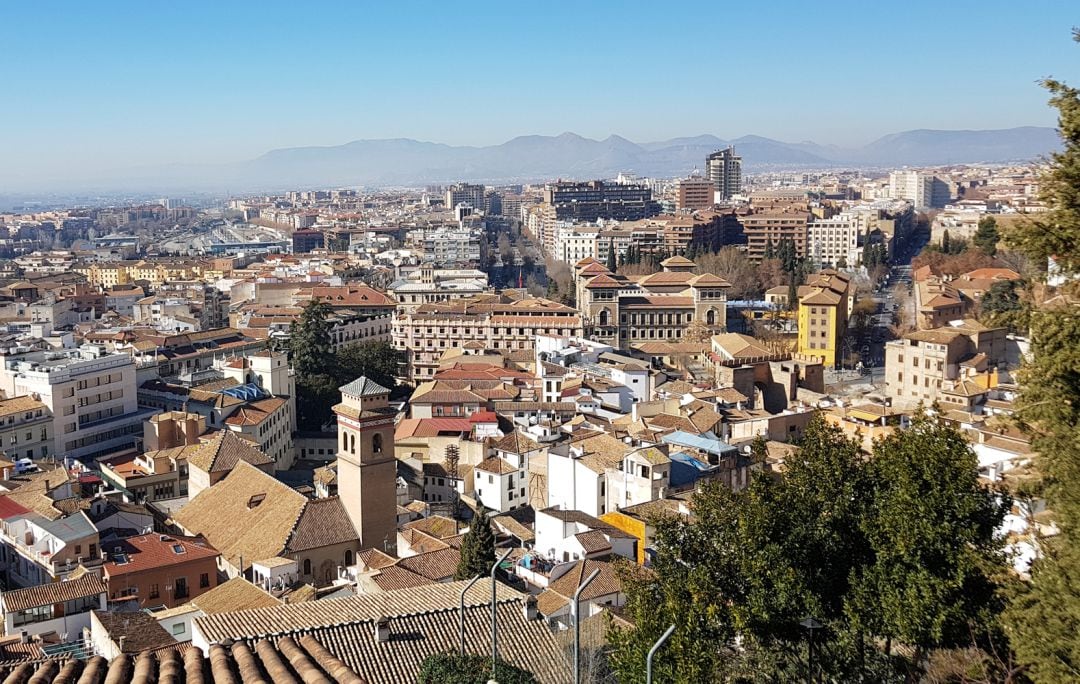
(403, 161)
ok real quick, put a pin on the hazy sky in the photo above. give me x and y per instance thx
(101, 85)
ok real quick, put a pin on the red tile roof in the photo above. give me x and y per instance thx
(150, 551)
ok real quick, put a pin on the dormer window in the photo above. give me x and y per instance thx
(255, 500)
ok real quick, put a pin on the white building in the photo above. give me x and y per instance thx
(90, 393)
(833, 242)
(574, 242)
(501, 482)
(601, 474)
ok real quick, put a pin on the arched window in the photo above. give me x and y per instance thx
(307, 566)
(352, 444)
(710, 317)
(348, 557)
(376, 442)
(603, 316)
(344, 441)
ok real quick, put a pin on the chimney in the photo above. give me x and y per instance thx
(382, 630)
(120, 643)
(531, 613)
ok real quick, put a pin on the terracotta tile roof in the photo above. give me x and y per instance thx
(248, 514)
(593, 541)
(233, 595)
(50, 594)
(561, 590)
(374, 559)
(150, 551)
(495, 465)
(17, 405)
(436, 565)
(437, 526)
(709, 280)
(224, 451)
(139, 630)
(421, 623)
(324, 522)
(281, 659)
(248, 624)
(395, 577)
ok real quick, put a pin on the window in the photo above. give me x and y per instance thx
(181, 590)
(178, 628)
(307, 566)
(155, 591)
(348, 557)
(204, 580)
(376, 443)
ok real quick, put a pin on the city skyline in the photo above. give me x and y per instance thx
(193, 85)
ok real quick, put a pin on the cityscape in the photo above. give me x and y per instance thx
(536, 408)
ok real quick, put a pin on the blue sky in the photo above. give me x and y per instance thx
(103, 85)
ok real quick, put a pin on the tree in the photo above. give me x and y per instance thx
(477, 548)
(933, 534)
(375, 360)
(1003, 306)
(986, 236)
(753, 564)
(309, 340)
(731, 264)
(1044, 618)
(454, 668)
(612, 263)
(946, 243)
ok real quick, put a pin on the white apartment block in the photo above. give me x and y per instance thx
(90, 392)
(833, 242)
(912, 186)
(575, 242)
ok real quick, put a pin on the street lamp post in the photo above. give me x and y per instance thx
(494, 615)
(810, 625)
(462, 613)
(577, 624)
(652, 651)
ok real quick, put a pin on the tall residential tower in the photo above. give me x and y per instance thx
(724, 169)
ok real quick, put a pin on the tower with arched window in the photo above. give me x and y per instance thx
(367, 470)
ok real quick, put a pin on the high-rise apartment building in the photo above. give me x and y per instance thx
(921, 189)
(465, 193)
(724, 169)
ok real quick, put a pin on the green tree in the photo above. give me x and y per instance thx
(946, 242)
(454, 668)
(477, 548)
(1002, 305)
(612, 263)
(309, 341)
(1043, 620)
(312, 357)
(986, 236)
(932, 531)
(375, 360)
(754, 563)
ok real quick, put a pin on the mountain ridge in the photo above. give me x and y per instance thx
(388, 162)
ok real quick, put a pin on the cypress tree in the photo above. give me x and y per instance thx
(309, 340)
(477, 548)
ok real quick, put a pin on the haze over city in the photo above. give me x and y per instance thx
(96, 89)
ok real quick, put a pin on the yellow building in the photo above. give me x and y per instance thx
(824, 305)
(638, 520)
(104, 274)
